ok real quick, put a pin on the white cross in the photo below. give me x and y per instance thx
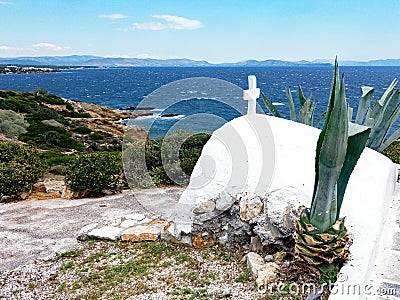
(251, 95)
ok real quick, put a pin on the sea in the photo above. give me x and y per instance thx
(199, 98)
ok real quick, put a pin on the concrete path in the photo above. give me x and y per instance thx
(37, 229)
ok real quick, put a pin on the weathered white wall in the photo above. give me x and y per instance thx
(369, 192)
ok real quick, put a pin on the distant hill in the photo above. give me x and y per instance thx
(98, 61)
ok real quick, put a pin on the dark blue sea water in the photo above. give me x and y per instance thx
(126, 87)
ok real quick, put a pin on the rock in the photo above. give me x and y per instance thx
(69, 194)
(204, 207)
(105, 233)
(224, 201)
(83, 233)
(267, 274)
(199, 242)
(168, 234)
(41, 188)
(263, 272)
(276, 225)
(23, 196)
(255, 244)
(43, 196)
(269, 258)
(115, 222)
(141, 233)
(255, 263)
(128, 223)
(250, 207)
(135, 216)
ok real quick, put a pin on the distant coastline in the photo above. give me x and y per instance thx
(88, 61)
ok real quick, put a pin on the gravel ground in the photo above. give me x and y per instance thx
(153, 270)
(37, 229)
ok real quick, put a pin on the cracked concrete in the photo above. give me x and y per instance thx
(37, 229)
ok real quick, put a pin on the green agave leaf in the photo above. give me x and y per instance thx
(350, 113)
(304, 112)
(310, 120)
(331, 158)
(388, 91)
(301, 95)
(364, 103)
(389, 114)
(289, 96)
(272, 109)
(320, 119)
(394, 137)
(378, 106)
(358, 136)
(334, 92)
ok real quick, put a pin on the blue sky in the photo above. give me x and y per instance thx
(215, 30)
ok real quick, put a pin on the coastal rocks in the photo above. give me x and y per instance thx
(263, 272)
(134, 227)
(108, 120)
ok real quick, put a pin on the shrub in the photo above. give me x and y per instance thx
(165, 157)
(48, 136)
(41, 91)
(82, 130)
(393, 152)
(135, 168)
(99, 135)
(95, 173)
(12, 124)
(56, 158)
(20, 168)
(169, 174)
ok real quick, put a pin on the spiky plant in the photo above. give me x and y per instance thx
(321, 236)
(306, 112)
(380, 118)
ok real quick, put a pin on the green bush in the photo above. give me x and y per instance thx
(169, 174)
(95, 173)
(393, 152)
(135, 168)
(82, 130)
(12, 124)
(47, 136)
(161, 159)
(20, 168)
(56, 158)
(99, 135)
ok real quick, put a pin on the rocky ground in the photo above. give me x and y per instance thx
(42, 259)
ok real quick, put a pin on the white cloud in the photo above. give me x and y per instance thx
(113, 16)
(171, 22)
(176, 22)
(48, 46)
(149, 26)
(9, 48)
(6, 3)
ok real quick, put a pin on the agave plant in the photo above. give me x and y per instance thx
(306, 112)
(381, 117)
(321, 236)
